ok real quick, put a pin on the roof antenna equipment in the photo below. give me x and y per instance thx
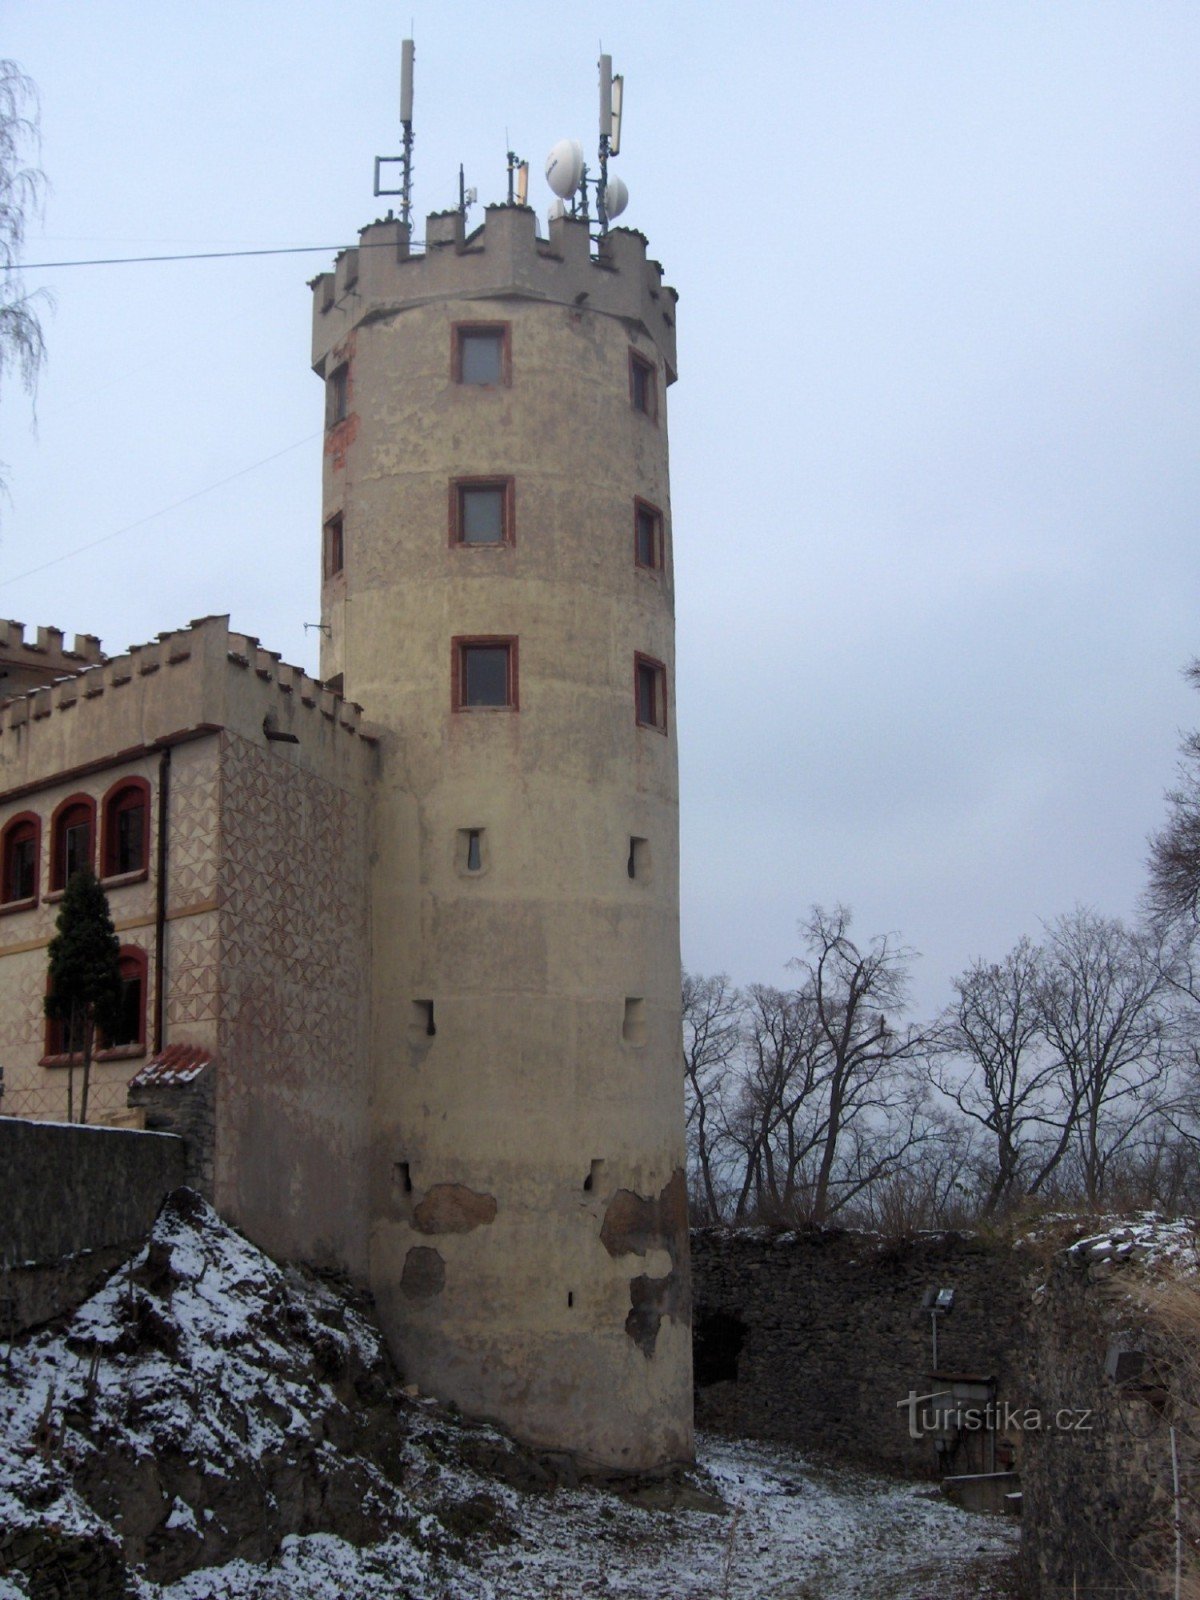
(406, 122)
(567, 173)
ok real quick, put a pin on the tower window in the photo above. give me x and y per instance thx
(335, 546)
(633, 1030)
(470, 851)
(72, 836)
(485, 674)
(650, 690)
(481, 511)
(125, 836)
(22, 838)
(481, 354)
(638, 865)
(643, 385)
(421, 1018)
(647, 535)
(337, 396)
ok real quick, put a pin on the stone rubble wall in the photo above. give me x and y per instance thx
(1098, 1513)
(832, 1335)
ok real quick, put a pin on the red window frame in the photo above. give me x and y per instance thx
(25, 825)
(643, 666)
(508, 510)
(643, 508)
(502, 331)
(68, 814)
(134, 966)
(124, 795)
(337, 395)
(459, 646)
(642, 364)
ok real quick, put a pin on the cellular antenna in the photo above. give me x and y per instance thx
(611, 198)
(406, 122)
(567, 174)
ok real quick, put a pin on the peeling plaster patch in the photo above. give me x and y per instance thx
(453, 1208)
(424, 1273)
(633, 1225)
(650, 1300)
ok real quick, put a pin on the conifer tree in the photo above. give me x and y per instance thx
(85, 976)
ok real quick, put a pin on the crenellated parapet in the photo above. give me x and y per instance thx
(200, 678)
(503, 258)
(27, 663)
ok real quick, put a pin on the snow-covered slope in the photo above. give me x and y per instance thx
(211, 1426)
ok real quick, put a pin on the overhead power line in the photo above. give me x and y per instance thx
(216, 255)
(104, 538)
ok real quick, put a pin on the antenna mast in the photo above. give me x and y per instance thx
(612, 93)
(406, 122)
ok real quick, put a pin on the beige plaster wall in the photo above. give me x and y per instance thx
(31, 1089)
(529, 1250)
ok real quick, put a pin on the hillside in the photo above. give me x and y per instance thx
(212, 1426)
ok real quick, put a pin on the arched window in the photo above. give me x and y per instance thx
(131, 1026)
(20, 850)
(125, 829)
(72, 838)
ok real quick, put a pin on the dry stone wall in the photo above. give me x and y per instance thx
(1111, 1377)
(815, 1337)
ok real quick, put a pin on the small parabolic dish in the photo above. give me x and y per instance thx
(616, 197)
(564, 167)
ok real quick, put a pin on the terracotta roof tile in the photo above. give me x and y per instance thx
(177, 1064)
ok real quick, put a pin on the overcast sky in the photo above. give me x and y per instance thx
(934, 442)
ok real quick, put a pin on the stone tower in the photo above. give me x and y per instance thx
(497, 595)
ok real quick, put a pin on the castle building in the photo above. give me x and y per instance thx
(416, 924)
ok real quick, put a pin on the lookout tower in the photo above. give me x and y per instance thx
(497, 595)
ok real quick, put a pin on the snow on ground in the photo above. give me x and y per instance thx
(792, 1531)
(205, 1403)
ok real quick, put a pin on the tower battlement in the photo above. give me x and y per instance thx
(501, 259)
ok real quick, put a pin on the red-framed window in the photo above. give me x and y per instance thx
(72, 838)
(130, 1030)
(647, 536)
(335, 546)
(337, 395)
(643, 385)
(60, 1041)
(650, 692)
(482, 512)
(484, 673)
(481, 354)
(20, 851)
(125, 829)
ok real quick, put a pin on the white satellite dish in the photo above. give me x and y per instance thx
(557, 211)
(564, 167)
(616, 197)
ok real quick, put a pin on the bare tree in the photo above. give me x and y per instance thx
(22, 347)
(1012, 1086)
(1104, 1012)
(711, 1033)
(1174, 891)
(869, 1083)
(827, 1101)
(776, 1121)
